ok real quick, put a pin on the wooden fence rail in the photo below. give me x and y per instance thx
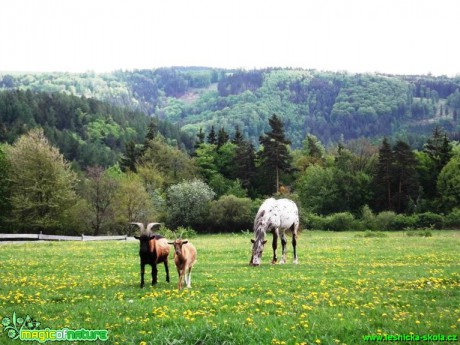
(43, 237)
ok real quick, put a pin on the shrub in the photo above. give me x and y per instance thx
(180, 231)
(384, 220)
(429, 220)
(342, 221)
(452, 220)
(313, 221)
(368, 218)
(231, 214)
(401, 222)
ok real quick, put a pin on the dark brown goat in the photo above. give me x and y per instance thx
(154, 249)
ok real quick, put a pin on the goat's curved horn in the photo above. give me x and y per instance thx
(151, 225)
(140, 225)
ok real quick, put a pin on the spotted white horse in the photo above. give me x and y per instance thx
(275, 216)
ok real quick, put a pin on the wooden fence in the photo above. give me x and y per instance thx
(43, 237)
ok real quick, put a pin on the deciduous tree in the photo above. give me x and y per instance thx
(42, 183)
(188, 204)
(99, 191)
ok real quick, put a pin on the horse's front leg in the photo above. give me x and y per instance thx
(275, 245)
(283, 245)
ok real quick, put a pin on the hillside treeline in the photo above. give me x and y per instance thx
(87, 131)
(218, 188)
(332, 106)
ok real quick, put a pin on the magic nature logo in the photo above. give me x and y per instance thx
(27, 329)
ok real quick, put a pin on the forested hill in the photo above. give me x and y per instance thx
(331, 106)
(87, 131)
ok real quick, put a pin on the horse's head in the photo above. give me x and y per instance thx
(257, 249)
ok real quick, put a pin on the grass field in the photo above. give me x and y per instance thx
(345, 287)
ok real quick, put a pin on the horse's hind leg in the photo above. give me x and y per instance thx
(294, 243)
(283, 244)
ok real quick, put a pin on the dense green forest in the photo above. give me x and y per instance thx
(87, 131)
(329, 105)
(200, 148)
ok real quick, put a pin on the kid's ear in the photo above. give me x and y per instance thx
(184, 242)
(252, 240)
(137, 237)
(171, 243)
(264, 242)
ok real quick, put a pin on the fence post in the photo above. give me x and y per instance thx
(82, 237)
(40, 235)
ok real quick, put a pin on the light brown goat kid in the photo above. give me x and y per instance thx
(184, 258)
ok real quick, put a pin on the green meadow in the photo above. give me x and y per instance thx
(345, 287)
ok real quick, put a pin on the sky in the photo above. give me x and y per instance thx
(358, 36)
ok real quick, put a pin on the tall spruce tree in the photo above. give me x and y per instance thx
(199, 138)
(274, 156)
(439, 150)
(212, 139)
(383, 177)
(238, 138)
(152, 132)
(129, 159)
(245, 166)
(222, 137)
(405, 175)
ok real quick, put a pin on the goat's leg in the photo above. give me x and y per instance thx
(167, 271)
(142, 274)
(275, 245)
(154, 274)
(283, 245)
(186, 277)
(189, 280)
(181, 278)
